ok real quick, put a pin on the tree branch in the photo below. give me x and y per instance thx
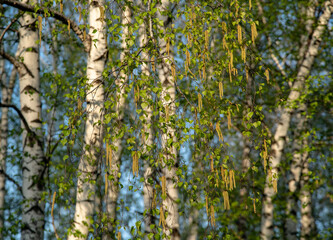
(12, 180)
(6, 29)
(57, 15)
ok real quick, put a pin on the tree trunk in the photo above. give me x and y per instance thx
(121, 83)
(6, 97)
(284, 122)
(294, 181)
(148, 137)
(168, 97)
(246, 160)
(296, 165)
(307, 221)
(33, 162)
(93, 137)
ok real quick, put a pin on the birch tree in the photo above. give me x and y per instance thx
(7, 85)
(121, 83)
(93, 137)
(267, 225)
(168, 138)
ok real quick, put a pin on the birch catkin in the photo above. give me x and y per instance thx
(40, 27)
(239, 31)
(221, 89)
(199, 102)
(229, 119)
(254, 33)
(226, 200)
(219, 132)
(106, 183)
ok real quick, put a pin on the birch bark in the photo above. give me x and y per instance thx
(296, 165)
(168, 97)
(6, 97)
(148, 137)
(93, 137)
(33, 162)
(121, 82)
(307, 220)
(284, 122)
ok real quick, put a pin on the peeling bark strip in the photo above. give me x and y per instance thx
(284, 121)
(24, 6)
(93, 137)
(121, 83)
(169, 152)
(33, 164)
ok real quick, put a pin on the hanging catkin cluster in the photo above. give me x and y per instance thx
(226, 200)
(221, 89)
(108, 155)
(135, 164)
(219, 132)
(199, 102)
(162, 218)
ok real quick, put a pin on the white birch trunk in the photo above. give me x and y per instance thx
(148, 137)
(169, 150)
(294, 181)
(33, 164)
(93, 137)
(277, 147)
(121, 83)
(6, 97)
(307, 220)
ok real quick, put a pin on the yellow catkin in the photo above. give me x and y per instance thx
(224, 43)
(207, 206)
(189, 40)
(250, 4)
(226, 178)
(234, 71)
(219, 132)
(101, 10)
(153, 63)
(173, 71)
(267, 75)
(275, 185)
(243, 49)
(163, 180)
(211, 164)
(199, 102)
(119, 236)
(106, 183)
(239, 31)
(224, 27)
(188, 58)
(162, 219)
(229, 119)
(265, 155)
(230, 72)
(254, 206)
(221, 89)
(212, 215)
(40, 27)
(226, 200)
(246, 73)
(232, 179)
(206, 39)
(53, 201)
(80, 12)
(61, 7)
(69, 26)
(254, 33)
(168, 46)
(135, 164)
(222, 173)
(85, 35)
(153, 203)
(231, 55)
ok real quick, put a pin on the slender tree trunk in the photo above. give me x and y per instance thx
(308, 13)
(294, 181)
(148, 137)
(93, 137)
(6, 97)
(307, 221)
(33, 162)
(121, 83)
(284, 122)
(168, 97)
(246, 160)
